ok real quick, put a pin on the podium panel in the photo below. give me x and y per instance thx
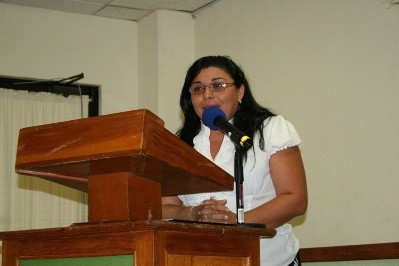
(148, 243)
(119, 260)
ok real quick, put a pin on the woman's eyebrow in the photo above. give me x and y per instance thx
(213, 79)
(218, 78)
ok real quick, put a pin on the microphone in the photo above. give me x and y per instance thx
(214, 118)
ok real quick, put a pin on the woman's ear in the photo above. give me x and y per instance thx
(241, 92)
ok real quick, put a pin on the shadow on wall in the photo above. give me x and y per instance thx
(298, 220)
(33, 183)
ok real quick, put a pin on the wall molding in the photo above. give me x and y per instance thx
(378, 251)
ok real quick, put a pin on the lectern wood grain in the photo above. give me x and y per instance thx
(134, 141)
(126, 161)
(122, 197)
(151, 243)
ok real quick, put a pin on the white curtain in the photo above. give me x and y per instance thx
(30, 202)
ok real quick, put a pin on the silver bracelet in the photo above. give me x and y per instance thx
(190, 212)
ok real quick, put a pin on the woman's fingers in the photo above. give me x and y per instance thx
(214, 210)
(215, 205)
(213, 216)
(211, 209)
(213, 201)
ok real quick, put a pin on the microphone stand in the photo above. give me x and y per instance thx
(239, 180)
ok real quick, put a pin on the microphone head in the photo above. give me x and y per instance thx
(210, 114)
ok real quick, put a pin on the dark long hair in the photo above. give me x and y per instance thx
(249, 116)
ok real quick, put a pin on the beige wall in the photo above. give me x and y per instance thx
(46, 44)
(148, 62)
(176, 50)
(166, 49)
(330, 67)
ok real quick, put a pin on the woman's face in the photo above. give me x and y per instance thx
(227, 100)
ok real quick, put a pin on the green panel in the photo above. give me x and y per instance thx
(355, 263)
(83, 261)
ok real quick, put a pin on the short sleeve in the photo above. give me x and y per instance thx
(279, 134)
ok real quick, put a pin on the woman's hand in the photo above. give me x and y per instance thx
(215, 211)
(211, 210)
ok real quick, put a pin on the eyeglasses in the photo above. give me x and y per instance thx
(216, 86)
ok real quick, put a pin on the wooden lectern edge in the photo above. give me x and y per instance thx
(27, 165)
(28, 130)
(123, 226)
(40, 169)
(81, 182)
(47, 175)
(171, 225)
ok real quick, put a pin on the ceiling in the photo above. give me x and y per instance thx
(117, 9)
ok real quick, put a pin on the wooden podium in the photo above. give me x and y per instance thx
(126, 162)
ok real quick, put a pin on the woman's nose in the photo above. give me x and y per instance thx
(208, 93)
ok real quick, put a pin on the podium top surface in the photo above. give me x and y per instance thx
(154, 225)
(135, 141)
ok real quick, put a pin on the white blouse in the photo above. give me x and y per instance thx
(258, 188)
